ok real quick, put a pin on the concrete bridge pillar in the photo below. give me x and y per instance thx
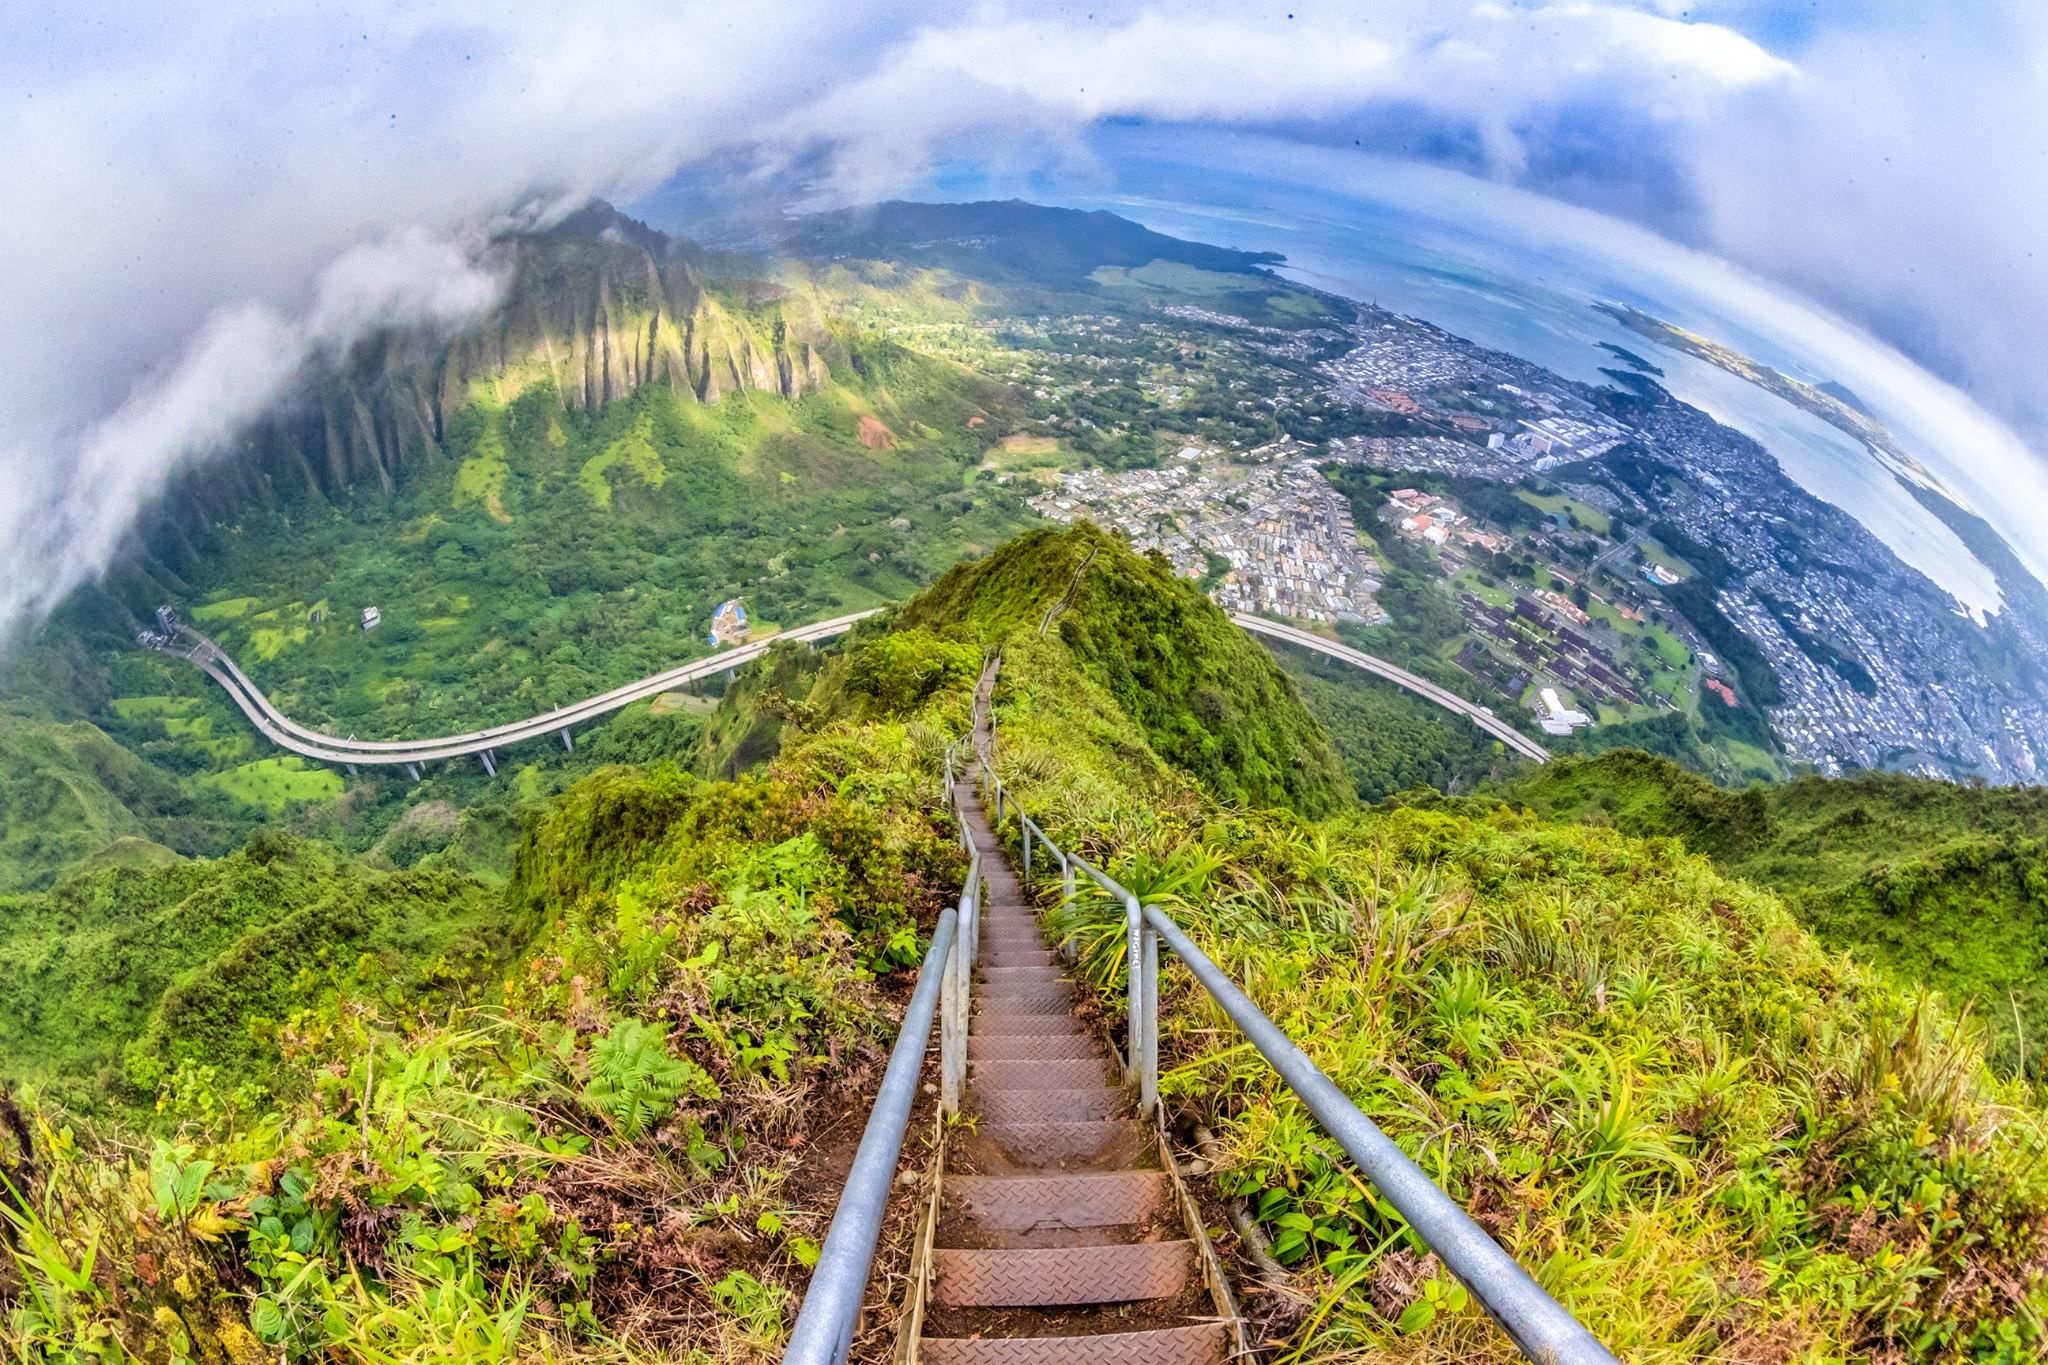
(412, 770)
(489, 766)
(567, 743)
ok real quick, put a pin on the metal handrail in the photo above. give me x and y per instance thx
(831, 1308)
(826, 1322)
(1538, 1324)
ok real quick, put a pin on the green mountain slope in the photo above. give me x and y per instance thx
(1208, 698)
(125, 977)
(1945, 884)
(1709, 1135)
(69, 792)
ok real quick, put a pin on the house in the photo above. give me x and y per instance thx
(729, 623)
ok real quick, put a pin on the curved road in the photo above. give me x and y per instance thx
(1394, 673)
(287, 734)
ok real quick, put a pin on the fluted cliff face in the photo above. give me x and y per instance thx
(599, 309)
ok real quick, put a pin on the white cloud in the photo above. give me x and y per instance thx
(201, 200)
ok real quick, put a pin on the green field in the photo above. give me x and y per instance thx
(1570, 508)
(1654, 551)
(274, 785)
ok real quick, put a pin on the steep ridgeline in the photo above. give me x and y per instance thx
(1713, 1136)
(384, 1138)
(1210, 700)
(598, 308)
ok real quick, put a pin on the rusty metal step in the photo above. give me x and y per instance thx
(1006, 980)
(1021, 957)
(1045, 1144)
(1032, 1047)
(1064, 1275)
(1206, 1343)
(1037, 1073)
(1027, 945)
(1048, 1106)
(1083, 1199)
(1023, 999)
(994, 938)
(1047, 1020)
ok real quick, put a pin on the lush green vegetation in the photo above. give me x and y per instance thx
(1208, 698)
(128, 980)
(69, 793)
(1389, 739)
(552, 1065)
(601, 550)
(1945, 884)
(1709, 1135)
(555, 503)
(354, 1153)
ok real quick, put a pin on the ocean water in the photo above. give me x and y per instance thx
(1451, 264)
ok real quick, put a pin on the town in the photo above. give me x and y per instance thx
(1632, 583)
(1286, 536)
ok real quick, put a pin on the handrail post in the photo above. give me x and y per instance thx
(1148, 1053)
(1134, 973)
(1025, 826)
(950, 1042)
(972, 909)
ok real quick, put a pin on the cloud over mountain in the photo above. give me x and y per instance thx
(202, 205)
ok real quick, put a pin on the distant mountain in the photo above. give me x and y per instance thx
(1007, 240)
(600, 306)
(1843, 393)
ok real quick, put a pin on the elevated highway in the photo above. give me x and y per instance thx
(287, 734)
(1394, 673)
(351, 752)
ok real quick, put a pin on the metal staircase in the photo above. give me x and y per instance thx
(1056, 1227)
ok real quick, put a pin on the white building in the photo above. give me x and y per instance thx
(1556, 720)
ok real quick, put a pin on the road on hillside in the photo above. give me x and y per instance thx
(211, 659)
(1394, 673)
(287, 734)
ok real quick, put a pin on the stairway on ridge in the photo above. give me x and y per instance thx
(1060, 1236)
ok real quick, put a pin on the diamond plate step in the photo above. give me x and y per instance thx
(1023, 999)
(1037, 1073)
(1085, 1199)
(1027, 974)
(1047, 1106)
(1068, 1275)
(1045, 1020)
(1042, 1144)
(1032, 1047)
(1206, 1343)
(1010, 938)
(1020, 957)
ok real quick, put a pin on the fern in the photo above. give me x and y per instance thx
(634, 1080)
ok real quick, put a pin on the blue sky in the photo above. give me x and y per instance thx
(247, 187)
